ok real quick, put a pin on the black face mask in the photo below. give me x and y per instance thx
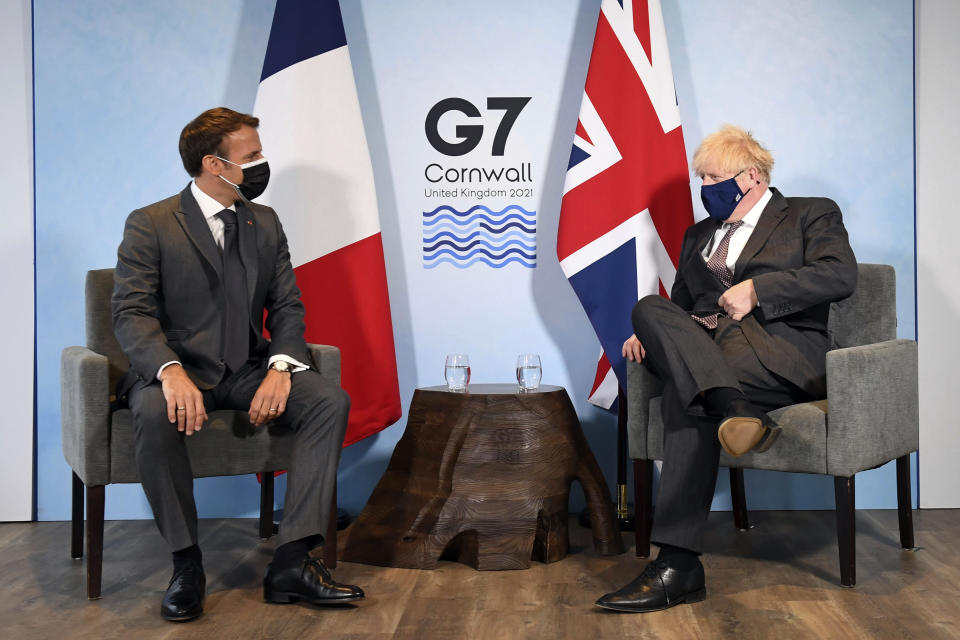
(256, 176)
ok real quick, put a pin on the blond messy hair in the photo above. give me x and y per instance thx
(732, 149)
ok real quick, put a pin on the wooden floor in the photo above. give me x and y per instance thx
(779, 580)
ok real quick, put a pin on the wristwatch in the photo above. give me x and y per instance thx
(280, 365)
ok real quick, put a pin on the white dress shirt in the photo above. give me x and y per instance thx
(210, 208)
(739, 238)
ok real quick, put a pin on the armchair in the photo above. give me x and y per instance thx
(870, 417)
(97, 438)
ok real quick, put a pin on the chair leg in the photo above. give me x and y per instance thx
(330, 540)
(95, 498)
(904, 502)
(76, 519)
(844, 489)
(739, 498)
(643, 500)
(266, 505)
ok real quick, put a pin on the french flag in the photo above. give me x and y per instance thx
(626, 197)
(321, 185)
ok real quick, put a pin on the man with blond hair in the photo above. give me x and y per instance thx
(744, 332)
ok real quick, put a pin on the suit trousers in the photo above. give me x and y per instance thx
(316, 411)
(690, 360)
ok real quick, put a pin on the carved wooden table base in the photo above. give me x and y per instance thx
(483, 478)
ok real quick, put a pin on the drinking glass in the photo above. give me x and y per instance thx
(457, 371)
(529, 371)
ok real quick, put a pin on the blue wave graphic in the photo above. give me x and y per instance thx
(479, 226)
(495, 265)
(509, 225)
(485, 234)
(484, 243)
(479, 234)
(427, 214)
(489, 227)
(478, 216)
(476, 252)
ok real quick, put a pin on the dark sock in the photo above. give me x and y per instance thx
(290, 554)
(716, 400)
(313, 541)
(680, 557)
(183, 556)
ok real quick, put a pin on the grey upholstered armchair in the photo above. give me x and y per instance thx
(869, 418)
(98, 439)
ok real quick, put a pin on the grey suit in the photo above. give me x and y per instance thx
(168, 304)
(800, 261)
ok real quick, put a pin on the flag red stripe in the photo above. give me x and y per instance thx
(603, 365)
(345, 294)
(653, 171)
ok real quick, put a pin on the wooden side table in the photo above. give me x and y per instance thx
(483, 477)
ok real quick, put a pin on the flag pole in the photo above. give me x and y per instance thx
(624, 518)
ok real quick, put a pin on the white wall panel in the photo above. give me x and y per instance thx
(938, 272)
(16, 260)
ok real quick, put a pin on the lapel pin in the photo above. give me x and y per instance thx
(250, 222)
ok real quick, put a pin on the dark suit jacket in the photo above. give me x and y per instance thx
(800, 261)
(168, 297)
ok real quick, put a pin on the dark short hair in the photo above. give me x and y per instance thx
(204, 135)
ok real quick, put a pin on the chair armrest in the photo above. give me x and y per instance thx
(85, 413)
(642, 387)
(327, 360)
(873, 405)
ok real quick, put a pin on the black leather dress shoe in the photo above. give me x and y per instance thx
(184, 597)
(745, 428)
(308, 581)
(660, 586)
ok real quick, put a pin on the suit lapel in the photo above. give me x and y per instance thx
(772, 215)
(248, 247)
(196, 228)
(708, 232)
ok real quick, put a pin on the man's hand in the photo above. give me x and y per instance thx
(633, 350)
(184, 400)
(270, 400)
(739, 300)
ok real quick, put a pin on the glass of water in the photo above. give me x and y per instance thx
(457, 372)
(528, 371)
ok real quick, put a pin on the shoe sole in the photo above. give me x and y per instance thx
(183, 618)
(286, 597)
(740, 435)
(691, 598)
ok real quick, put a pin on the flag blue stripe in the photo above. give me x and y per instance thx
(577, 155)
(302, 29)
(607, 289)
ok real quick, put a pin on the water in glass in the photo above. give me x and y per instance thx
(529, 372)
(457, 372)
(458, 377)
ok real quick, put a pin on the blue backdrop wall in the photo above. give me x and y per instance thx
(828, 87)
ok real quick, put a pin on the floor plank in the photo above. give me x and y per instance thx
(780, 579)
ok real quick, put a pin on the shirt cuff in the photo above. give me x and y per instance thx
(296, 364)
(167, 364)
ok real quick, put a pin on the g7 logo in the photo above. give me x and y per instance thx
(470, 134)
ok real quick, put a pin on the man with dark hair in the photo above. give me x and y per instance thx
(744, 332)
(195, 273)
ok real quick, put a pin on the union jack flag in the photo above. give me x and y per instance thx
(626, 198)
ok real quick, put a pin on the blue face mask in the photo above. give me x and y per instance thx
(721, 198)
